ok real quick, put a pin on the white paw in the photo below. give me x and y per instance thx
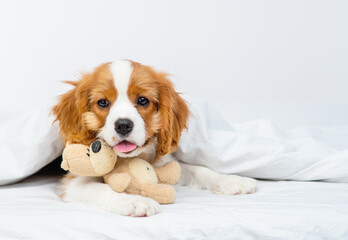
(134, 206)
(91, 191)
(233, 185)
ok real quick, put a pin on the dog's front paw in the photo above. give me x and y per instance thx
(134, 206)
(143, 207)
(233, 185)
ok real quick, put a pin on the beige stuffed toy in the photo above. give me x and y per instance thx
(131, 175)
(97, 159)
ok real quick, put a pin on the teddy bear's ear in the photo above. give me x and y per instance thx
(174, 114)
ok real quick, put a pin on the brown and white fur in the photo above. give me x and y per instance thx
(128, 90)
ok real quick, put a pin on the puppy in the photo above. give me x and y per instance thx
(137, 111)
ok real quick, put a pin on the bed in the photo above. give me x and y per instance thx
(313, 205)
(283, 61)
(32, 209)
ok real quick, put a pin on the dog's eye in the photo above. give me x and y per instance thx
(143, 101)
(103, 103)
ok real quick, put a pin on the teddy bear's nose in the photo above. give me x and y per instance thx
(96, 146)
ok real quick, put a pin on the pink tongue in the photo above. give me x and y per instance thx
(125, 146)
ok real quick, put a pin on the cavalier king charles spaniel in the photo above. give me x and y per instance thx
(137, 111)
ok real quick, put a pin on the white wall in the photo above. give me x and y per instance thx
(283, 60)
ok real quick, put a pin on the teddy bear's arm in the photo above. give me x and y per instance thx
(168, 173)
(162, 193)
(118, 181)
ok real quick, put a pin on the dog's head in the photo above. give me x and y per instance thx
(129, 105)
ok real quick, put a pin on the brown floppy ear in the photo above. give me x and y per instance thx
(69, 112)
(174, 114)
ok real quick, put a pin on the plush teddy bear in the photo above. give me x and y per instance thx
(97, 159)
(131, 175)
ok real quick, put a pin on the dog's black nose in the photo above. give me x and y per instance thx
(124, 126)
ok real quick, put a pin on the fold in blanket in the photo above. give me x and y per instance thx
(260, 149)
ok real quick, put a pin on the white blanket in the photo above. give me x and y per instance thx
(28, 142)
(279, 210)
(257, 149)
(260, 149)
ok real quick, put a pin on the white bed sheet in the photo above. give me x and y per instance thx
(279, 210)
